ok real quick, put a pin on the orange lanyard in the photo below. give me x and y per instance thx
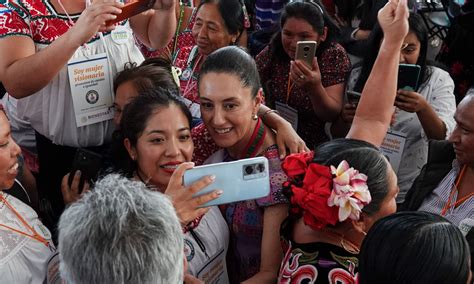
(35, 235)
(288, 89)
(453, 191)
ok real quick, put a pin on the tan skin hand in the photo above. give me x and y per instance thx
(164, 4)
(303, 76)
(93, 18)
(186, 206)
(71, 194)
(410, 101)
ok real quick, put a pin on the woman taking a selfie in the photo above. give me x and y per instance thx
(312, 94)
(422, 114)
(230, 95)
(26, 244)
(159, 151)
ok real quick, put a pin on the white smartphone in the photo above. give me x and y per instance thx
(240, 180)
(305, 51)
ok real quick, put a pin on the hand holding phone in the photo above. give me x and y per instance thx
(132, 8)
(187, 206)
(89, 165)
(72, 193)
(305, 51)
(240, 180)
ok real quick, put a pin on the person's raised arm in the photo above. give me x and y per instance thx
(375, 108)
(156, 27)
(23, 71)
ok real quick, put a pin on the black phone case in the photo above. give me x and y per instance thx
(89, 163)
(408, 77)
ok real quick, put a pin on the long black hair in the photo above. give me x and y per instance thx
(414, 247)
(313, 12)
(418, 27)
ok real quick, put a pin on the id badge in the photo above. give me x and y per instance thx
(392, 148)
(213, 270)
(288, 113)
(89, 80)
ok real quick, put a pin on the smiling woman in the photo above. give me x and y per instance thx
(313, 93)
(230, 93)
(155, 130)
(25, 242)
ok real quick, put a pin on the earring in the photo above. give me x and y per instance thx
(254, 116)
(133, 157)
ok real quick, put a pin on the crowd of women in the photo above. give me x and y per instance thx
(75, 82)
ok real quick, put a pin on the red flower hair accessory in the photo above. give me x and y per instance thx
(325, 195)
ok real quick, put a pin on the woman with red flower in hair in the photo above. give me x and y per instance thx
(340, 190)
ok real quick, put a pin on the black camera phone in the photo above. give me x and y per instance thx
(89, 163)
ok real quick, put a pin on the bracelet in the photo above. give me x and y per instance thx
(267, 112)
(353, 34)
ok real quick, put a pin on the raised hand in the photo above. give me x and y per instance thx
(93, 18)
(393, 19)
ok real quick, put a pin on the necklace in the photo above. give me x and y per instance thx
(454, 190)
(346, 244)
(255, 142)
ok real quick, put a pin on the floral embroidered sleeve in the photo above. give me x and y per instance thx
(14, 20)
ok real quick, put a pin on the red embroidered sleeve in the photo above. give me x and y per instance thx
(13, 20)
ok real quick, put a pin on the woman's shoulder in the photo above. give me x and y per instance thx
(438, 78)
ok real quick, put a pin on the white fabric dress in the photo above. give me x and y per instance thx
(22, 259)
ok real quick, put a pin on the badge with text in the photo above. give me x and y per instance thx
(392, 147)
(213, 271)
(120, 35)
(288, 113)
(89, 80)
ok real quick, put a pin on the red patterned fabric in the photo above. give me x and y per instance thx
(33, 18)
(184, 39)
(334, 65)
(204, 146)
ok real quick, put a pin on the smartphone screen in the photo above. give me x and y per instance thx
(408, 77)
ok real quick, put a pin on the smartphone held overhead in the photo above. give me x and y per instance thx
(132, 8)
(240, 180)
(305, 51)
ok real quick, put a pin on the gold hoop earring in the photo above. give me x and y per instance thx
(254, 116)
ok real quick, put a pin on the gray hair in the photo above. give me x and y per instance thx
(121, 232)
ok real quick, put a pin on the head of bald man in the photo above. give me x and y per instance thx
(462, 136)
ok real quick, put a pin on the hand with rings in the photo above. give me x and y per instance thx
(304, 76)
